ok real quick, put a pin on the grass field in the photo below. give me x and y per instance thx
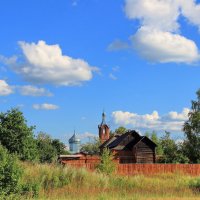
(56, 182)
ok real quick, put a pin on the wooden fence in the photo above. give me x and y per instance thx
(148, 169)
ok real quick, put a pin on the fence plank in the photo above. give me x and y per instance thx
(146, 169)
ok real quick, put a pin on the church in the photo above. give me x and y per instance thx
(129, 147)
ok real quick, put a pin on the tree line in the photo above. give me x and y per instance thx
(19, 139)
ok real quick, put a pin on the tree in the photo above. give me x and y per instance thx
(192, 131)
(172, 152)
(106, 164)
(156, 140)
(91, 148)
(121, 130)
(47, 152)
(59, 147)
(16, 135)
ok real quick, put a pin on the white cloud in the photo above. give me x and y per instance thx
(173, 121)
(5, 89)
(45, 106)
(158, 39)
(191, 11)
(156, 45)
(29, 90)
(173, 115)
(46, 64)
(159, 14)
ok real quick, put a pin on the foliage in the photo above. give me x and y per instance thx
(10, 173)
(47, 152)
(16, 136)
(156, 140)
(195, 184)
(49, 148)
(192, 132)
(91, 148)
(106, 166)
(172, 152)
(59, 146)
(120, 130)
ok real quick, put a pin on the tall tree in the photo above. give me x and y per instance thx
(16, 135)
(59, 146)
(192, 131)
(91, 148)
(47, 152)
(172, 152)
(156, 140)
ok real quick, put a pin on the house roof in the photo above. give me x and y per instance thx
(126, 141)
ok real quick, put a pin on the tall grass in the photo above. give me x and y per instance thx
(46, 181)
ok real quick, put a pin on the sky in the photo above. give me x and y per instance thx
(63, 63)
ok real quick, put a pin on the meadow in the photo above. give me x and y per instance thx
(55, 182)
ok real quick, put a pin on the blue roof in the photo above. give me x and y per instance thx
(74, 139)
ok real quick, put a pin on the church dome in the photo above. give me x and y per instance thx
(74, 139)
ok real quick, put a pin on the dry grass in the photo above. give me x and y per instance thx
(56, 182)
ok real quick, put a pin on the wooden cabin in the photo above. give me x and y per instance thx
(131, 147)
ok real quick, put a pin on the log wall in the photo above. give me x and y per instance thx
(144, 154)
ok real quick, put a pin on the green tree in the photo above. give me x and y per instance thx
(47, 152)
(106, 164)
(91, 148)
(172, 152)
(16, 135)
(121, 130)
(10, 173)
(59, 147)
(156, 140)
(192, 132)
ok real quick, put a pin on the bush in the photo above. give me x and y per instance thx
(106, 165)
(195, 184)
(10, 173)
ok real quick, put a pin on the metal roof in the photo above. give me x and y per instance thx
(74, 139)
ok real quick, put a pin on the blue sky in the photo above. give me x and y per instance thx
(63, 62)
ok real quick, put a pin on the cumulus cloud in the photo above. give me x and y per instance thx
(46, 64)
(45, 106)
(183, 116)
(191, 11)
(29, 90)
(5, 89)
(173, 121)
(158, 39)
(156, 45)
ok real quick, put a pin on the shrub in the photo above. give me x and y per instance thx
(195, 184)
(10, 173)
(106, 165)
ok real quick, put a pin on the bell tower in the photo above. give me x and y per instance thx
(104, 130)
